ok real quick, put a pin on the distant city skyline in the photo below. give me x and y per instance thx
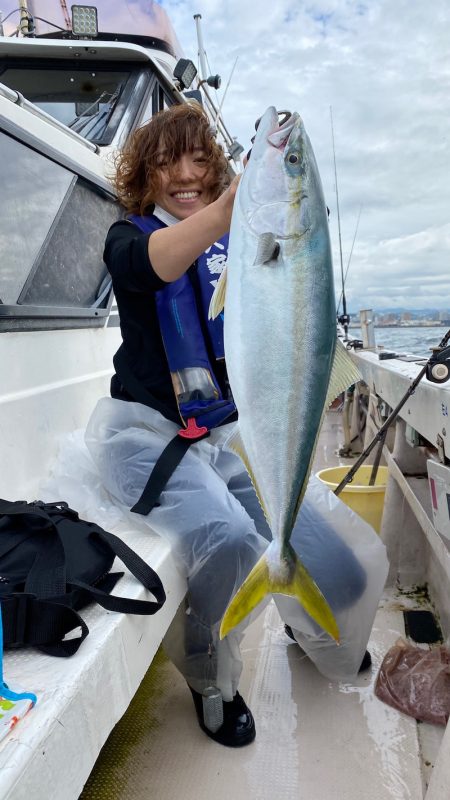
(405, 317)
(415, 313)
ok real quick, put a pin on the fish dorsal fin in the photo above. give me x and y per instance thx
(236, 445)
(217, 302)
(344, 372)
(268, 249)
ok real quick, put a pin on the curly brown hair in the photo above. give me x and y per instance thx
(180, 129)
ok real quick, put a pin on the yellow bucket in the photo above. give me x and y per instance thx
(366, 500)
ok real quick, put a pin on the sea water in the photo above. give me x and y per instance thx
(417, 340)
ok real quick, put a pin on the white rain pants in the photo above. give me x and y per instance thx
(210, 515)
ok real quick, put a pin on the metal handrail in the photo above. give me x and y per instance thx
(20, 100)
(214, 110)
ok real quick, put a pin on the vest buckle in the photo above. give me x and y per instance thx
(193, 431)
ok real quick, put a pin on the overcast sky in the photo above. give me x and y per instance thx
(384, 68)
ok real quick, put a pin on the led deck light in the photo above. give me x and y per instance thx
(184, 72)
(84, 21)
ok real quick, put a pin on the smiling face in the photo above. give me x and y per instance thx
(173, 160)
(184, 185)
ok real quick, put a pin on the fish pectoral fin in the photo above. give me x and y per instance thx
(217, 302)
(268, 249)
(235, 444)
(250, 594)
(344, 372)
(259, 583)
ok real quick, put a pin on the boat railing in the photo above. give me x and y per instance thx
(18, 99)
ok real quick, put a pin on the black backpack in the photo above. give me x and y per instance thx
(52, 563)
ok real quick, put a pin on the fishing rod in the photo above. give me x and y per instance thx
(344, 318)
(350, 256)
(437, 370)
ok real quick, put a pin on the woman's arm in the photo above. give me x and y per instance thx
(172, 250)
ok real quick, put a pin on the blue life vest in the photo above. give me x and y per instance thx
(182, 323)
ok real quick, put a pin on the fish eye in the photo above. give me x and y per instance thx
(293, 158)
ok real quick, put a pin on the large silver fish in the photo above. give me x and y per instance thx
(284, 362)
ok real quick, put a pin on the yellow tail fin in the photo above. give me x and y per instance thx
(259, 583)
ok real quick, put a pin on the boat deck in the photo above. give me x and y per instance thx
(316, 739)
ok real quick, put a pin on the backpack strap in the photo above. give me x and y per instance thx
(28, 620)
(139, 568)
(5, 691)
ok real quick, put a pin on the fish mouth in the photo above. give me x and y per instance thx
(279, 137)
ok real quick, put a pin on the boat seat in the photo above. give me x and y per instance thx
(50, 753)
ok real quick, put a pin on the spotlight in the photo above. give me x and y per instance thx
(84, 21)
(184, 73)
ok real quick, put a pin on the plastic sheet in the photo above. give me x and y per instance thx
(199, 513)
(416, 681)
(348, 562)
(212, 540)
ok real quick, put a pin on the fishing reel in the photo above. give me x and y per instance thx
(343, 319)
(438, 367)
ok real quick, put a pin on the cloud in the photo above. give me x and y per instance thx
(384, 69)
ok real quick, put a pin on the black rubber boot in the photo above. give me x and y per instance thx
(365, 663)
(238, 728)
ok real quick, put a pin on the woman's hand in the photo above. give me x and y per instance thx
(226, 200)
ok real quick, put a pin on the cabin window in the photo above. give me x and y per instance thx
(159, 101)
(53, 225)
(33, 190)
(92, 102)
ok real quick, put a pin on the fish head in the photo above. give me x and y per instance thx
(280, 190)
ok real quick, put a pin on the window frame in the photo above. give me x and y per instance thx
(146, 87)
(31, 317)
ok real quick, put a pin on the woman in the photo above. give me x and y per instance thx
(165, 258)
(172, 178)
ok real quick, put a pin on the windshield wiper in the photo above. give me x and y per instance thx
(84, 122)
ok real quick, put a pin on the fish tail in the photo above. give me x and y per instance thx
(260, 583)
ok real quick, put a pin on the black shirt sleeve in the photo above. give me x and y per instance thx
(126, 256)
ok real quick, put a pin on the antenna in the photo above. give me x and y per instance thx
(211, 80)
(24, 18)
(344, 319)
(201, 48)
(219, 111)
(67, 17)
